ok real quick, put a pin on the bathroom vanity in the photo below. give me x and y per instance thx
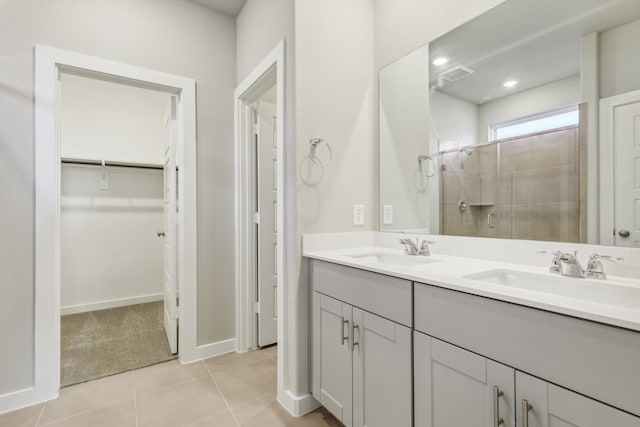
(403, 340)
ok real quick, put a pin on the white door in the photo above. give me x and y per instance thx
(170, 234)
(266, 197)
(627, 174)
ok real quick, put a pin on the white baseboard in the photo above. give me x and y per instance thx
(73, 309)
(208, 350)
(298, 405)
(21, 399)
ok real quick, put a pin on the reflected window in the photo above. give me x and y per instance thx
(542, 122)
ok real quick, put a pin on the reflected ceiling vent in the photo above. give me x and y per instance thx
(456, 73)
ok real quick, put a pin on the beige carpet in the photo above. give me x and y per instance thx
(106, 342)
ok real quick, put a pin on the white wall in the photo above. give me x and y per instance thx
(177, 37)
(401, 26)
(454, 119)
(101, 120)
(558, 94)
(403, 135)
(334, 89)
(110, 254)
(619, 60)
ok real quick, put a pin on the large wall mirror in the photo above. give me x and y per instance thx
(523, 123)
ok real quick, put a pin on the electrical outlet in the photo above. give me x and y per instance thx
(358, 214)
(387, 215)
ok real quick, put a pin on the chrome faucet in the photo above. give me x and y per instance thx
(410, 248)
(417, 248)
(565, 264)
(594, 266)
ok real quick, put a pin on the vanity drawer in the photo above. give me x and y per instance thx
(385, 296)
(593, 359)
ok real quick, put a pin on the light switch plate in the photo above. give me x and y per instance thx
(358, 214)
(387, 215)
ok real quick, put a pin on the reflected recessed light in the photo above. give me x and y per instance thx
(510, 83)
(441, 60)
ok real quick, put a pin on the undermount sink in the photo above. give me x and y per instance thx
(396, 260)
(582, 289)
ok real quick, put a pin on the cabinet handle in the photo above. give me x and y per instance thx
(526, 407)
(496, 406)
(354, 343)
(342, 323)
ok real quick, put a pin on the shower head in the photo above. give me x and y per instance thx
(467, 152)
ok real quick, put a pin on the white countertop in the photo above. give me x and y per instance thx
(450, 271)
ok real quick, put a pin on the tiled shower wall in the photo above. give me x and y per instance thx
(527, 188)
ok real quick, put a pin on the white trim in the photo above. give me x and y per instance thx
(607, 162)
(250, 86)
(114, 303)
(298, 405)
(49, 62)
(21, 399)
(210, 350)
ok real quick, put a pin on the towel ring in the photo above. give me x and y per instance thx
(314, 161)
(313, 146)
(421, 159)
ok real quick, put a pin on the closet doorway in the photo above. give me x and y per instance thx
(118, 291)
(145, 205)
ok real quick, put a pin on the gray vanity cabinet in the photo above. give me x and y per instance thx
(543, 404)
(361, 361)
(454, 387)
(332, 356)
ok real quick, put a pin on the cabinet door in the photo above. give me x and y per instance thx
(332, 363)
(457, 388)
(552, 406)
(381, 372)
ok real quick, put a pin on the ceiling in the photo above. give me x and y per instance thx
(531, 41)
(230, 7)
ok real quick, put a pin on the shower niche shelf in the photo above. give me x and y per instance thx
(481, 204)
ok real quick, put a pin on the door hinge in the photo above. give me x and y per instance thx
(256, 217)
(256, 307)
(177, 313)
(256, 128)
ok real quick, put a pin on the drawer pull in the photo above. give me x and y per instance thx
(354, 343)
(496, 406)
(526, 407)
(342, 323)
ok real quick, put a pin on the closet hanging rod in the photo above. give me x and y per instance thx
(110, 163)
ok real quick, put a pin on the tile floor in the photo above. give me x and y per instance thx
(228, 390)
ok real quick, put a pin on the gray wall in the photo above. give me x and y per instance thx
(619, 60)
(172, 36)
(260, 26)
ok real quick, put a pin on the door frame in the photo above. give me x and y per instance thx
(49, 63)
(269, 70)
(607, 162)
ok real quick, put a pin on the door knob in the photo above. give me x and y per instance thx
(624, 233)
(160, 233)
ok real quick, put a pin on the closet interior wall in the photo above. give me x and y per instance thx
(110, 215)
